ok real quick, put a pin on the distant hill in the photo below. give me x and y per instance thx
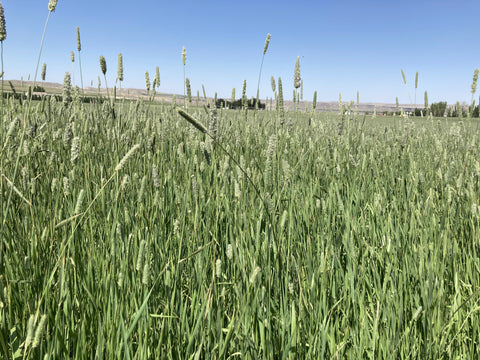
(131, 93)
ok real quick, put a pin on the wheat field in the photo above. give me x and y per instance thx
(147, 230)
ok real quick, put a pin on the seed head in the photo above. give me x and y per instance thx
(141, 256)
(147, 81)
(52, 4)
(79, 44)
(156, 81)
(40, 329)
(254, 275)
(103, 64)
(416, 80)
(72, 56)
(426, 100)
(44, 71)
(244, 92)
(3, 29)
(120, 67)
(66, 186)
(184, 56)
(192, 120)
(156, 178)
(267, 41)
(475, 79)
(30, 331)
(229, 251)
(78, 205)
(75, 150)
(127, 156)
(67, 89)
(314, 100)
(404, 78)
(189, 90)
(218, 268)
(146, 274)
(280, 101)
(272, 80)
(296, 76)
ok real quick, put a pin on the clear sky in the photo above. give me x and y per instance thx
(344, 46)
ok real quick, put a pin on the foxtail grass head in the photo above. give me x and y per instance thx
(404, 78)
(272, 81)
(147, 81)
(189, 90)
(120, 67)
(267, 41)
(52, 4)
(192, 120)
(244, 91)
(297, 81)
(72, 56)
(475, 80)
(67, 89)
(103, 64)
(79, 44)
(156, 80)
(426, 100)
(3, 29)
(44, 71)
(184, 56)
(416, 80)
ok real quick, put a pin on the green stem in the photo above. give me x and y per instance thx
(80, 63)
(259, 76)
(2, 73)
(41, 47)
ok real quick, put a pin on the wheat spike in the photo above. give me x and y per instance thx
(120, 67)
(267, 41)
(39, 332)
(127, 156)
(192, 120)
(79, 44)
(184, 56)
(3, 29)
(52, 4)
(103, 64)
(44, 71)
(296, 76)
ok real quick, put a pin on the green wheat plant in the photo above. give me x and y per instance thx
(120, 69)
(79, 49)
(265, 48)
(3, 36)
(209, 233)
(147, 82)
(184, 62)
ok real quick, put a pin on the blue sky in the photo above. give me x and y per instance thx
(344, 46)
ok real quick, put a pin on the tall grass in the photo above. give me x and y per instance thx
(371, 238)
(3, 36)
(223, 236)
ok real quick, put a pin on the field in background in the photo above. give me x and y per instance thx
(134, 94)
(130, 234)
